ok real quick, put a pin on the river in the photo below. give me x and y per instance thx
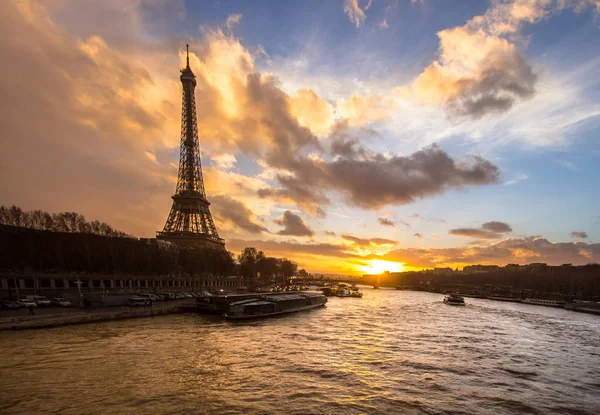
(389, 352)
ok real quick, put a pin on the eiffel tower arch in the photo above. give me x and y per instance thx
(190, 223)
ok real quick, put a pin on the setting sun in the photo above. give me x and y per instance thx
(378, 266)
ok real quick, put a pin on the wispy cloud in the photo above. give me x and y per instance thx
(579, 235)
(566, 164)
(232, 19)
(386, 222)
(489, 230)
(516, 179)
(355, 13)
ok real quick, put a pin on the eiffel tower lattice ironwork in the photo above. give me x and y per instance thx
(190, 222)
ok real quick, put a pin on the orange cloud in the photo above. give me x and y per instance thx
(354, 12)
(361, 110)
(312, 111)
(479, 71)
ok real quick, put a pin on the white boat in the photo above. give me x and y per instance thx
(454, 299)
(274, 305)
(539, 301)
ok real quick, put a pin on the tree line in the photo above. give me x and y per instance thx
(255, 264)
(69, 222)
(566, 281)
(65, 242)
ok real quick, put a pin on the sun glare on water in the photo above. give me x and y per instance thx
(378, 266)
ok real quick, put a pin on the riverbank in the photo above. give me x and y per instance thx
(77, 316)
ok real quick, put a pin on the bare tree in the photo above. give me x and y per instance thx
(59, 223)
(84, 227)
(15, 216)
(106, 229)
(95, 227)
(4, 215)
(37, 218)
(72, 221)
(48, 223)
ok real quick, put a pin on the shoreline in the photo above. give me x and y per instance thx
(80, 317)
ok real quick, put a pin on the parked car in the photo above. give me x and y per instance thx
(8, 304)
(151, 297)
(159, 297)
(40, 300)
(24, 302)
(136, 301)
(61, 302)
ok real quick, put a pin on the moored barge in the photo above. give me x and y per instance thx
(274, 305)
(219, 303)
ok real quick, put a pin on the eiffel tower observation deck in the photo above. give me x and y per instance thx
(189, 222)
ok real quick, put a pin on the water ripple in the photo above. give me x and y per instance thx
(390, 352)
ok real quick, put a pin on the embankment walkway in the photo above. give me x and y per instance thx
(78, 316)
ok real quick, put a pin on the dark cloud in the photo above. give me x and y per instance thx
(293, 225)
(505, 78)
(580, 235)
(418, 235)
(489, 230)
(495, 226)
(345, 141)
(228, 210)
(374, 181)
(365, 242)
(386, 222)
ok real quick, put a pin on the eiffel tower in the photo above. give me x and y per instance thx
(190, 222)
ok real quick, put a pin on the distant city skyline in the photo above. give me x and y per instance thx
(349, 136)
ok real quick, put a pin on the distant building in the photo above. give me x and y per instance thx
(475, 269)
(536, 265)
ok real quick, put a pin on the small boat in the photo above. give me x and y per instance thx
(454, 299)
(356, 294)
(274, 305)
(343, 292)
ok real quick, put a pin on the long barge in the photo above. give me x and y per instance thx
(274, 305)
(219, 303)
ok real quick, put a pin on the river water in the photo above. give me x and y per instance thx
(389, 352)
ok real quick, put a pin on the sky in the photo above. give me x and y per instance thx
(351, 136)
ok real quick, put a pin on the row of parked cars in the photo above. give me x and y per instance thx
(35, 301)
(166, 296)
(145, 299)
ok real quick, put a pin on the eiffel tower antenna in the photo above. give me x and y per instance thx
(190, 222)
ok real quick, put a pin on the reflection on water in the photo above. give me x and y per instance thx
(390, 352)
